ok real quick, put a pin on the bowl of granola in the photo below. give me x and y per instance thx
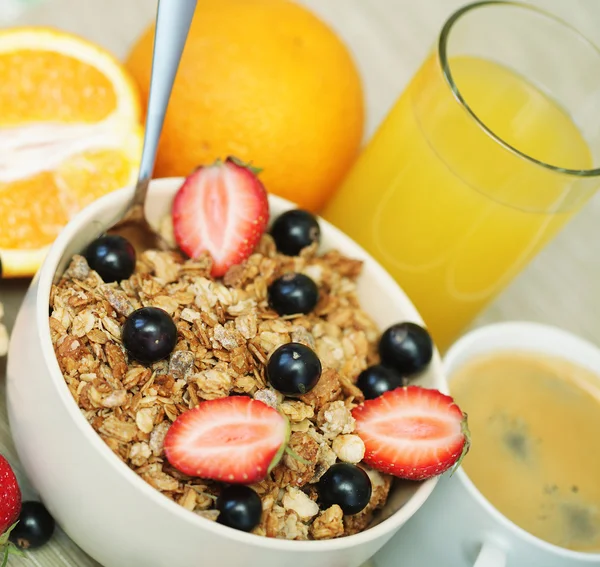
(263, 393)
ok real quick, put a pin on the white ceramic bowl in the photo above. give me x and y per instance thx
(103, 505)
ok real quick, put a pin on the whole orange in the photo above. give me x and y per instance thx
(265, 81)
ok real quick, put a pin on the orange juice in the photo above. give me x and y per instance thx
(452, 201)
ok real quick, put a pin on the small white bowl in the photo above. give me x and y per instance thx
(108, 510)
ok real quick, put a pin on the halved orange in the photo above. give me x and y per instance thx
(70, 131)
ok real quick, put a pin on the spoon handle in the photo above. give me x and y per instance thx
(173, 21)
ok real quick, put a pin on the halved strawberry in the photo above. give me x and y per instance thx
(412, 432)
(221, 209)
(236, 440)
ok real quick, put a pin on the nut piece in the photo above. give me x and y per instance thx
(358, 522)
(139, 454)
(181, 364)
(266, 396)
(350, 390)
(83, 323)
(118, 299)
(302, 426)
(293, 528)
(144, 419)
(328, 389)
(335, 419)
(161, 480)
(294, 499)
(213, 384)
(325, 457)
(381, 484)
(78, 268)
(247, 325)
(303, 336)
(225, 337)
(291, 471)
(349, 448)
(284, 524)
(164, 266)
(120, 430)
(157, 438)
(296, 410)
(329, 524)
(115, 399)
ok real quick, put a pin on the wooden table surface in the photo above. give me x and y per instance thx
(389, 39)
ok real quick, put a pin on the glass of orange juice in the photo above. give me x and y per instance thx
(491, 149)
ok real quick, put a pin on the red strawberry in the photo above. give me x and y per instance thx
(10, 508)
(412, 432)
(235, 439)
(221, 209)
(10, 496)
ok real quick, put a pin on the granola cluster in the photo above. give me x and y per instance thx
(226, 333)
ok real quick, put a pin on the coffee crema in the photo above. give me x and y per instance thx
(535, 455)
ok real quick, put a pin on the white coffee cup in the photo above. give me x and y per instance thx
(458, 526)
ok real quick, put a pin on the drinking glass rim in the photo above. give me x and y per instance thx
(445, 64)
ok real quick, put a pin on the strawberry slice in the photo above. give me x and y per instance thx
(221, 209)
(412, 432)
(235, 440)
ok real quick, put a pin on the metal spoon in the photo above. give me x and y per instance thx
(173, 21)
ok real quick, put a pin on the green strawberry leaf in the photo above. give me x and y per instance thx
(4, 537)
(284, 446)
(8, 548)
(297, 457)
(467, 435)
(249, 166)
